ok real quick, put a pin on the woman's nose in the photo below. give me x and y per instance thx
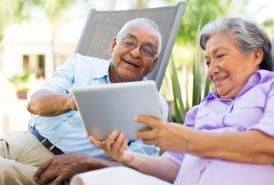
(213, 68)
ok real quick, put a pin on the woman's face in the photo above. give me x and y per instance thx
(228, 67)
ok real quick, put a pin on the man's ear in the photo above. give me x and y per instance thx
(153, 64)
(113, 44)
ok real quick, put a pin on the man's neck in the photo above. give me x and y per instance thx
(113, 76)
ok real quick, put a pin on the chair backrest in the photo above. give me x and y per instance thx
(102, 26)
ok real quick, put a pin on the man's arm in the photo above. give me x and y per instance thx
(47, 103)
(63, 167)
(53, 98)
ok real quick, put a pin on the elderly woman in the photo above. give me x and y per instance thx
(228, 138)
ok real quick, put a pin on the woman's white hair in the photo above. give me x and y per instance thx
(248, 36)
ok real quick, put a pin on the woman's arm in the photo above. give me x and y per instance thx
(115, 146)
(47, 103)
(157, 166)
(249, 147)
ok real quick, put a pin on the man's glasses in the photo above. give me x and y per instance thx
(146, 49)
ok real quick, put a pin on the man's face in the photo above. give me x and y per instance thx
(134, 53)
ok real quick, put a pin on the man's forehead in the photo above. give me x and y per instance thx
(136, 32)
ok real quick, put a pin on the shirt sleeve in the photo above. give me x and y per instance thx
(62, 78)
(266, 123)
(176, 157)
(139, 147)
(190, 116)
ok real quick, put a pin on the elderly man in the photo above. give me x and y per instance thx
(56, 140)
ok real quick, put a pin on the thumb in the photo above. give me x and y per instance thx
(96, 142)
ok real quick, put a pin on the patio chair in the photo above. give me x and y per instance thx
(102, 26)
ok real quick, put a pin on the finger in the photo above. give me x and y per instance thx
(150, 121)
(117, 145)
(96, 142)
(59, 180)
(146, 134)
(123, 147)
(47, 177)
(41, 169)
(111, 138)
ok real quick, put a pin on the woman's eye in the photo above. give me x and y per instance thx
(208, 63)
(220, 55)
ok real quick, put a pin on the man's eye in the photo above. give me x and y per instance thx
(149, 51)
(129, 43)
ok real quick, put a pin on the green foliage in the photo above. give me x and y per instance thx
(209, 9)
(179, 106)
(52, 8)
(21, 81)
(200, 83)
(12, 11)
(194, 93)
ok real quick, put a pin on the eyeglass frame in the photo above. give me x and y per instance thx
(136, 45)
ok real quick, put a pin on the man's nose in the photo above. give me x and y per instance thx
(136, 52)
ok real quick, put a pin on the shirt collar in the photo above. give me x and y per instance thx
(252, 81)
(101, 70)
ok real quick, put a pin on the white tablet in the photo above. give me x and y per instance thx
(108, 107)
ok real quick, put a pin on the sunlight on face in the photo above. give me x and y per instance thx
(228, 67)
(131, 63)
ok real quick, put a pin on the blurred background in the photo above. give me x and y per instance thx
(37, 36)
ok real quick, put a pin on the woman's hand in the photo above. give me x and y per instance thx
(167, 136)
(114, 146)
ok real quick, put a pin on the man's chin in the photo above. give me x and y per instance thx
(130, 78)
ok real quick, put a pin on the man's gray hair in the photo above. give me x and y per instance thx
(248, 36)
(145, 22)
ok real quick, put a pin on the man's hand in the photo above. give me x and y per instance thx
(63, 167)
(71, 103)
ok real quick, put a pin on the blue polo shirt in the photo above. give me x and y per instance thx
(66, 131)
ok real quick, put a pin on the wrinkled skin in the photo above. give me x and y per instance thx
(63, 167)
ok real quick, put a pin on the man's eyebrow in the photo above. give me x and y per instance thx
(151, 44)
(130, 35)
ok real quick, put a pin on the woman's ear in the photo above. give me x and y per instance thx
(258, 55)
(113, 44)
